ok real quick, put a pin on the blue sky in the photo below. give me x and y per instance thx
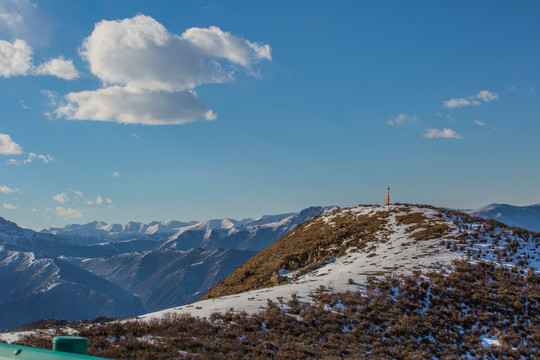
(137, 110)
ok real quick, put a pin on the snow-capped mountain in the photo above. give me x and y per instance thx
(526, 217)
(133, 267)
(246, 234)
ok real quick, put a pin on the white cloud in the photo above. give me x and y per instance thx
(78, 194)
(6, 190)
(22, 19)
(487, 96)
(444, 133)
(99, 200)
(8, 146)
(115, 174)
(214, 42)
(109, 201)
(67, 213)
(43, 158)
(149, 73)
(15, 58)
(13, 162)
(484, 95)
(61, 198)
(121, 105)
(59, 67)
(11, 18)
(479, 123)
(456, 103)
(9, 206)
(402, 119)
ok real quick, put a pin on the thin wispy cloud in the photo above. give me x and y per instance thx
(473, 100)
(23, 19)
(402, 119)
(479, 123)
(150, 73)
(46, 159)
(115, 174)
(10, 206)
(445, 133)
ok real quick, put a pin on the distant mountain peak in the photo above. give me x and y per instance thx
(527, 217)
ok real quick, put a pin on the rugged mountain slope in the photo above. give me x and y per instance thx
(34, 288)
(526, 217)
(169, 277)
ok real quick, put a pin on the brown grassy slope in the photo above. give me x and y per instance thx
(315, 242)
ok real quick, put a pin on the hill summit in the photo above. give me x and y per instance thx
(344, 246)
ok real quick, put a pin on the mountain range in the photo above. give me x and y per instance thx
(119, 270)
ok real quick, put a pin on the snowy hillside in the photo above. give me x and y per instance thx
(342, 248)
(526, 217)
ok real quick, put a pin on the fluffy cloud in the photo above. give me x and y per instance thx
(115, 174)
(149, 73)
(124, 106)
(6, 190)
(67, 213)
(16, 59)
(10, 207)
(60, 67)
(444, 133)
(484, 95)
(8, 146)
